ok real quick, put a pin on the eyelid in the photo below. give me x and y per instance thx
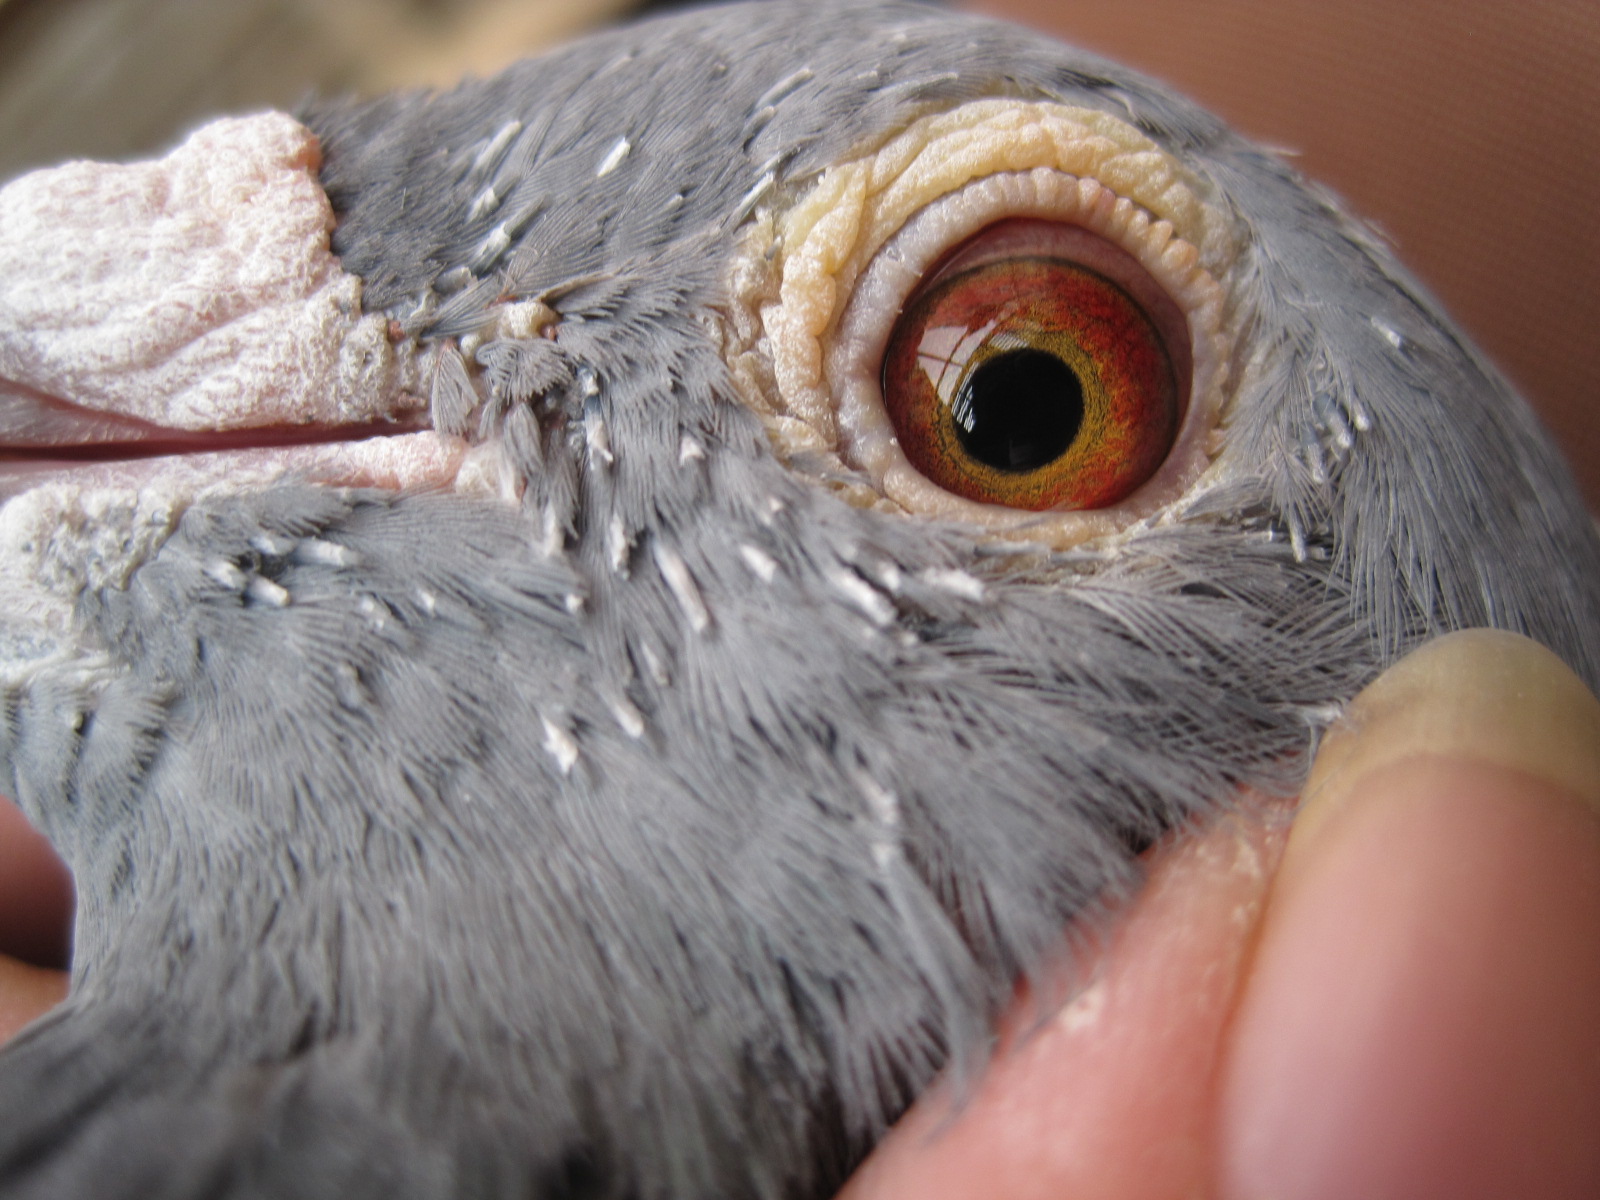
(820, 285)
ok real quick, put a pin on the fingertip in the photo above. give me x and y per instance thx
(1108, 1098)
(26, 993)
(1422, 1014)
(36, 896)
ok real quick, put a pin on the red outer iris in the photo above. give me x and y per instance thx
(1131, 390)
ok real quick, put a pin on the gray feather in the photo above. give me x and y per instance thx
(486, 868)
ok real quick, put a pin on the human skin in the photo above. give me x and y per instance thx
(1396, 995)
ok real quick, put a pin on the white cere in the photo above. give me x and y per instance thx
(613, 158)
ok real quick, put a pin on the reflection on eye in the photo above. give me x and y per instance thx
(1019, 376)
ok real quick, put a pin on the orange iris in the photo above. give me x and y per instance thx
(1031, 381)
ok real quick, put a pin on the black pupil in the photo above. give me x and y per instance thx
(1019, 410)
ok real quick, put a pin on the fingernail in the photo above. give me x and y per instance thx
(1422, 1014)
(1480, 694)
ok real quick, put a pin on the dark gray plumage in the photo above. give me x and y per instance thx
(353, 918)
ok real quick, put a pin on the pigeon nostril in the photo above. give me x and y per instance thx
(36, 898)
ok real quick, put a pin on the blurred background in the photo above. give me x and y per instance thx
(1469, 132)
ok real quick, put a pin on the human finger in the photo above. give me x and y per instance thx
(1422, 1015)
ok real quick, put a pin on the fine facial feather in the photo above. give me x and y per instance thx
(663, 831)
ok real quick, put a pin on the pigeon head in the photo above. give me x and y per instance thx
(579, 633)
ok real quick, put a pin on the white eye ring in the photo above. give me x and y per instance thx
(820, 284)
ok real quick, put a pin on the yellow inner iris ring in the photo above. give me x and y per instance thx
(1004, 486)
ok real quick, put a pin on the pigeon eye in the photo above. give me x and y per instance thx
(1015, 314)
(1039, 368)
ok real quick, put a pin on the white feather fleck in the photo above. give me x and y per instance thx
(1390, 335)
(761, 564)
(758, 120)
(628, 716)
(427, 601)
(264, 591)
(613, 158)
(753, 196)
(453, 281)
(272, 547)
(653, 664)
(784, 88)
(682, 585)
(484, 203)
(552, 537)
(325, 553)
(225, 574)
(689, 451)
(1358, 415)
(1297, 538)
(494, 244)
(495, 147)
(618, 543)
(561, 745)
(376, 612)
(884, 808)
(870, 602)
(597, 437)
(523, 319)
(957, 583)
